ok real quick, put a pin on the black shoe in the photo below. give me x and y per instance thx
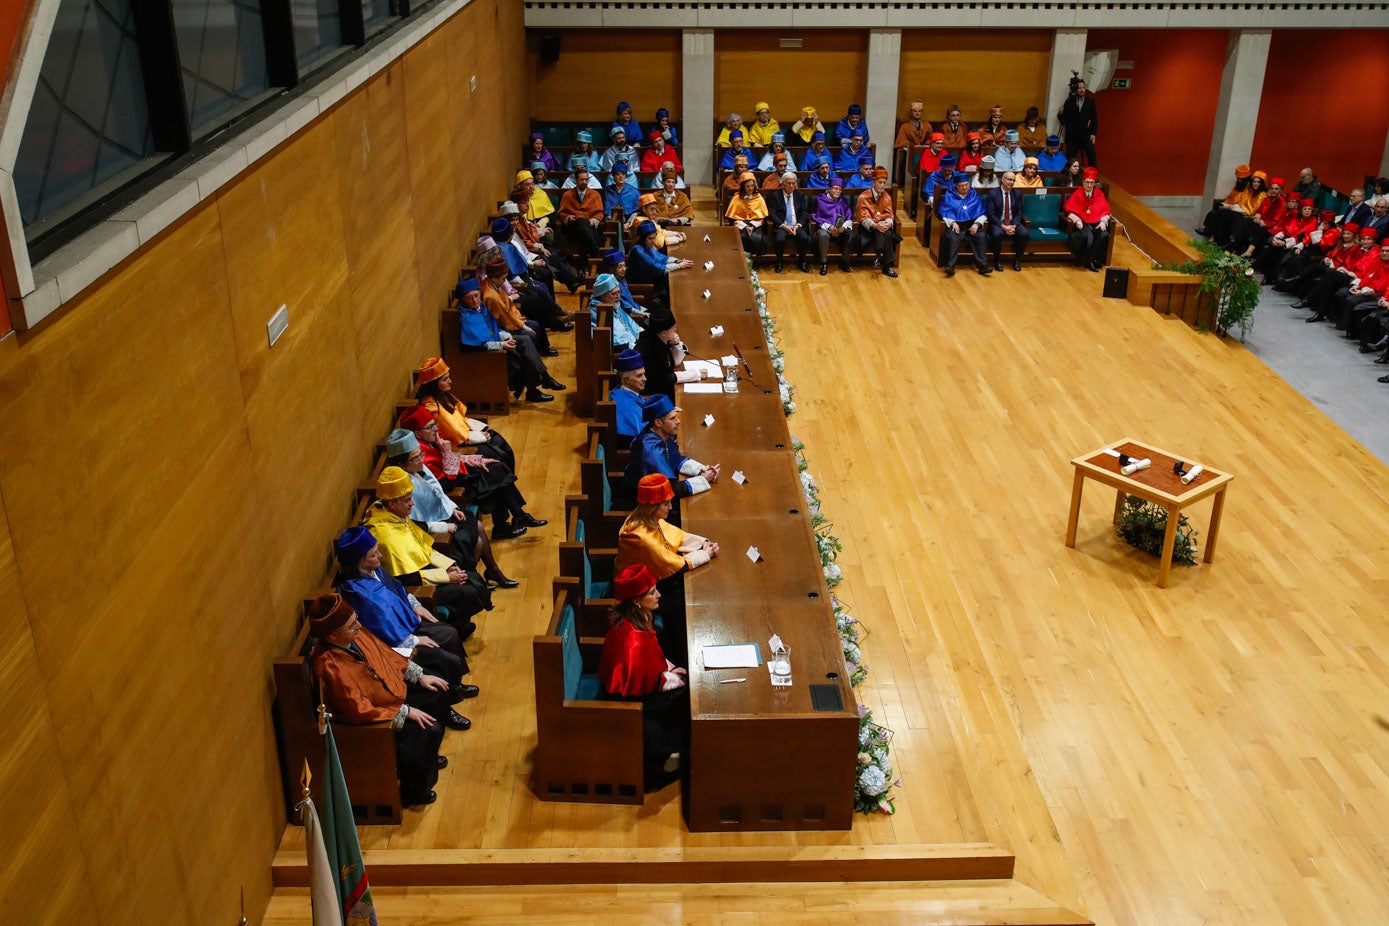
(462, 693)
(890, 272)
(466, 632)
(1367, 349)
(804, 264)
(562, 326)
(824, 269)
(844, 267)
(554, 384)
(526, 519)
(507, 531)
(1319, 317)
(1095, 266)
(517, 392)
(777, 267)
(998, 265)
(1383, 359)
(549, 352)
(441, 762)
(1299, 304)
(535, 395)
(1201, 232)
(983, 271)
(499, 581)
(950, 271)
(456, 721)
(1017, 266)
(1384, 378)
(418, 800)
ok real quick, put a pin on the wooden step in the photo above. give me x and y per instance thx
(669, 865)
(998, 902)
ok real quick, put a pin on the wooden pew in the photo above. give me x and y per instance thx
(587, 750)
(587, 572)
(603, 521)
(1165, 291)
(479, 376)
(1040, 247)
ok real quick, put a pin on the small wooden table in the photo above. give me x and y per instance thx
(1158, 484)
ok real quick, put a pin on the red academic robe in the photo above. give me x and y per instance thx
(1273, 210)
(651, 161)
(632, 661)
(1296, 227)
(1375, 276)
(930, 162)
(1090, 208)
(967, 158)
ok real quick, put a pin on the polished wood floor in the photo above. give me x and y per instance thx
(1213, 752)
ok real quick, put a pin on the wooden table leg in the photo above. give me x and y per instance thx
(1119, 497)
(1076, 488)
(1169, 542)
(1217, 508)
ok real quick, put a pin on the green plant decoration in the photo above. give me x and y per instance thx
(1143, 525)
(1229, 279)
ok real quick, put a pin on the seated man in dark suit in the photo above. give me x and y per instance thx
(1003, 206)
(788, 218)
(962, 212)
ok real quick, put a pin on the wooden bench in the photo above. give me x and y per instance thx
(1049, 238)
(587, 573)
(603, 521)
(587, 750)
(479, 376)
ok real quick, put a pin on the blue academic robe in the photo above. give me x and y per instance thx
(593, 160)
(651, 454)
(847, 159)
(1050, 162)
(477, 327)
(810, 160)
(726, 161)
(626, 199)
(816, 182)
(630, 129)
(843, 130)
(936, 183)
(625, 330)
(628, 412)
(962, 209)
(382, 606)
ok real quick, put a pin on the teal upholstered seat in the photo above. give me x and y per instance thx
(577, 685)
(593, 588)
(1043, 217)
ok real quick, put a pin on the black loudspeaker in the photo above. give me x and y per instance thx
(1116, 282)
(549, 48)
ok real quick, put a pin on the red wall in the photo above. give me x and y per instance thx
(1155, 138)
(1325, 105)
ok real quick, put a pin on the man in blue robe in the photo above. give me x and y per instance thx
(963, 215)
(656, 450)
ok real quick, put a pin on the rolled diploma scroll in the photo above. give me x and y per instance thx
(1192, 474)
(1135, 466)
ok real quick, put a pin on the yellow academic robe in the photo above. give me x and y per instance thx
(657, 550)
(540, 205)
(405, 546)
(759, 134)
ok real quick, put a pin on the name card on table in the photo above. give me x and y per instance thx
(708, 421)
(708, 369)
(715, 331)
(708, 264)
(754, 554)
(703, 388)
(738, 477)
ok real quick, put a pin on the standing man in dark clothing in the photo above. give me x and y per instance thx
(1080, 121)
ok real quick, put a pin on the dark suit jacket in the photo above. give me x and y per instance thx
(1359, 215)
(993, 207)
(776, 209)
(1080, 118)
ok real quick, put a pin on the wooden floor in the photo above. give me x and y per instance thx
(1215, 752)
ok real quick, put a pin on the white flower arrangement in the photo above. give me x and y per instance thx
(873, 779)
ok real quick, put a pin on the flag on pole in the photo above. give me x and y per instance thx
(340, 838)
(323, 882)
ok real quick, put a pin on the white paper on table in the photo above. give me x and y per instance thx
(715, 331)
(708, 421)
(707, 368)
(738, 477)
(706, 237)
(707, 294)
(754, 554)
(699, 388)
(708, 265)
(729, 360)
(731, 656)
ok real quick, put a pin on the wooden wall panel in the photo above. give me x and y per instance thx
(387, 314)
(598, 68)
(135, 619)
(828, 72)
(296, 392)
(45, 874)
(172, 483)
(433, 175)
(974, 69)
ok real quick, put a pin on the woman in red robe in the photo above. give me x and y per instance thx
(633, 667)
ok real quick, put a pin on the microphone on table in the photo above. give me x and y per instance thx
(746, 369)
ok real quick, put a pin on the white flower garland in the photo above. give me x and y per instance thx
(873, 779)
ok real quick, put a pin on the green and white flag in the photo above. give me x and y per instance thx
(340, 841)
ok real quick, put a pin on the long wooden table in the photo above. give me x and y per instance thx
(761, 758)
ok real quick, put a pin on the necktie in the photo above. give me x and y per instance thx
(1007, 207)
